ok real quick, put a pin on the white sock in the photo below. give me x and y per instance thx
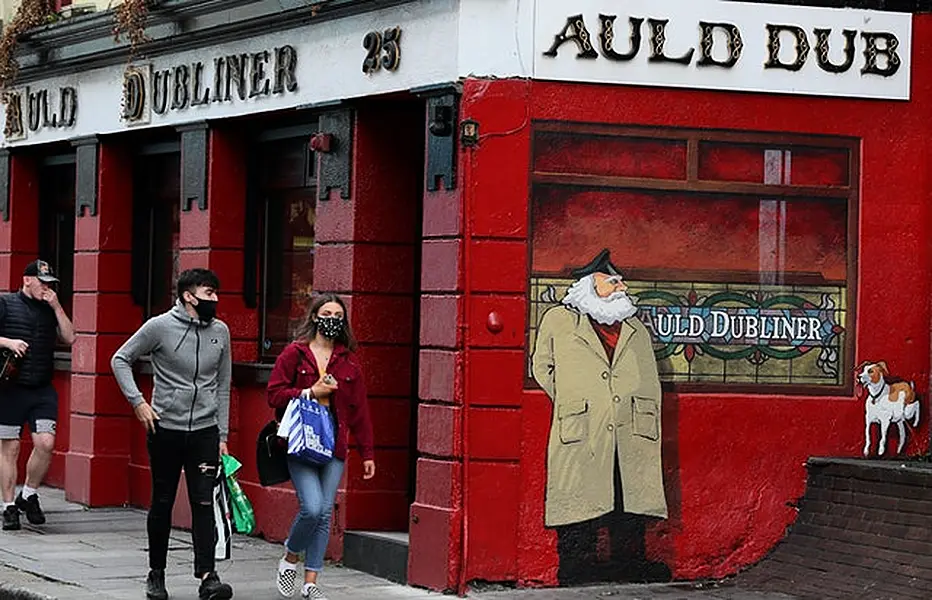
(28, 492)
(7, 505)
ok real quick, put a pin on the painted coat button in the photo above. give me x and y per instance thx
(611, 427)
(617, 398)
(604, 374)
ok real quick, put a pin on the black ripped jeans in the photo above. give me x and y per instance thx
(198, 452)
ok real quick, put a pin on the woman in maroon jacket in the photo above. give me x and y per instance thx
(323, 348)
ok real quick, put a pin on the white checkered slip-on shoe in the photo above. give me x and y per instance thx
(287, 578)
(312, 592)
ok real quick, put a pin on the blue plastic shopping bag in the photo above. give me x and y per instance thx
(311, 435)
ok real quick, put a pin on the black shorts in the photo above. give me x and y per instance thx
(19, 405)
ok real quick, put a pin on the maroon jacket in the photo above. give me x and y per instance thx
(296, 369)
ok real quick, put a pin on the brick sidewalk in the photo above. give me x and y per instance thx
(101, 554)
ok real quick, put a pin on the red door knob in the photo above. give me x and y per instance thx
(494, 322)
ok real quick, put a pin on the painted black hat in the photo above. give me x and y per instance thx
(600, 264)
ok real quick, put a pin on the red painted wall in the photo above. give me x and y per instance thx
(734, 463)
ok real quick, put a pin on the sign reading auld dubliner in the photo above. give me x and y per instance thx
(740, 326)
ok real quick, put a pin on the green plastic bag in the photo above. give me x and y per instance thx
(244, 519)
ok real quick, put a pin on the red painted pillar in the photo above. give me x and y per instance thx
(497, 267)
(19, 227)
(211, 237)
(97, 464)
(436, 515)
(366, 253)
(474, 274)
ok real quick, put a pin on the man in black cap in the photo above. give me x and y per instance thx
(594, 359)
(30, 322)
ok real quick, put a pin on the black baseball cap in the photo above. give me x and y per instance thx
(40, 270)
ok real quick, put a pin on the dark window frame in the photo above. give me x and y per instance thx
(149, 280)
(56, 238)
(264, 276)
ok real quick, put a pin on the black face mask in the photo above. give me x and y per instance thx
(330, 327)
(206, 309)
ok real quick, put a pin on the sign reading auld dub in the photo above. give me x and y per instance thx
(726, 45)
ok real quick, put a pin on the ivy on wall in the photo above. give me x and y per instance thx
(130, 20)
(29, 15)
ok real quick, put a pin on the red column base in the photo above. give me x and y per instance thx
(433, 561)
(96, 480)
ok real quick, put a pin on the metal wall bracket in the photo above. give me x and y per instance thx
(194, 147)
(337, 164)
(5, 184)
(442, 131)
(86, 160)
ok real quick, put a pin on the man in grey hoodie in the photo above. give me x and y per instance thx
(186, 424)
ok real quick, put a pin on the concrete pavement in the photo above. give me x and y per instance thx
(85, 554)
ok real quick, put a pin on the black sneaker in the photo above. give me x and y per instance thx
(11, 519)
(155, 585)
(212, 589)
(31, 507)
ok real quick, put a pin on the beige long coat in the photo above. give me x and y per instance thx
(599, 409)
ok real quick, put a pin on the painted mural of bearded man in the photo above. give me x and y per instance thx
(594, 359)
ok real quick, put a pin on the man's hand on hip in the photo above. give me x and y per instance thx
(146, 415)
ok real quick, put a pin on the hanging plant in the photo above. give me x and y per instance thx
(130, 20)
(29, 15)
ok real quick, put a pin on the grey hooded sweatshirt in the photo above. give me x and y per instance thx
(192, 366)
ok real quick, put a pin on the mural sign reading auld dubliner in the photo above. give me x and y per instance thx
(726, 45)
(752, 326)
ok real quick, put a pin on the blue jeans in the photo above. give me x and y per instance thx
(316, 487)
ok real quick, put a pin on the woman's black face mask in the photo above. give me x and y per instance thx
(330, 327)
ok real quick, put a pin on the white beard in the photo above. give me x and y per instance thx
(582, 297)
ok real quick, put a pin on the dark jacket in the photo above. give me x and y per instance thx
(34, 322)
(296, 369)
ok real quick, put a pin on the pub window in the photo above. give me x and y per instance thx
(284, 204)
(156, 226)
(57, 221)
(738, 248)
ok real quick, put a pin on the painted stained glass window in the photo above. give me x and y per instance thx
(737, 247)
